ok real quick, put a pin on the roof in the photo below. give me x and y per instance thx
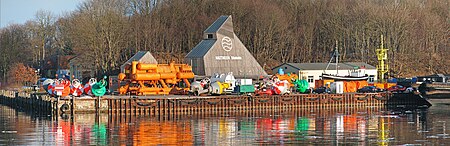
(141, 56)
(360, 64)
(322, 66)
(201, 49)
(217, 24)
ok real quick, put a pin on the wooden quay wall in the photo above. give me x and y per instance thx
(165, 105)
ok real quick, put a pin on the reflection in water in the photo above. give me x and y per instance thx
(358, 127)
(165, 133)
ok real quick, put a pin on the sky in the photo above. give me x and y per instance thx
(20, 11)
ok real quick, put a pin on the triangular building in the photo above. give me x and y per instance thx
(221, 51)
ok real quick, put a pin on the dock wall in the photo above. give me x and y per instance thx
(208, 105)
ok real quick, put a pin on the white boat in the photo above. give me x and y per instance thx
(351, 78)
(337, 77)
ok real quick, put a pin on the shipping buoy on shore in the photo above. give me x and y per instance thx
(76, 89)
(99, 88)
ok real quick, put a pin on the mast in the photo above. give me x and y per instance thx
(383, 66)
(336, 56)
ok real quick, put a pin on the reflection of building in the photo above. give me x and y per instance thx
(313, 71)
(221, 51)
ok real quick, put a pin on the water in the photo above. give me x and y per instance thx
(366, 126)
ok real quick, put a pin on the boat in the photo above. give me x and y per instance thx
(337, 77)
(347, 78)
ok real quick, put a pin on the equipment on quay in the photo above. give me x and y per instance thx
(150, 79)
(225, 79)
(60, 87)
(244, 86)
(76, 89)
(273, 86)
(200, 87)
(290, 77)
(218, 84)
(88, 86)
(301, 86)
(99, 88)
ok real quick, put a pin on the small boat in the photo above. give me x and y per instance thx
(350, 78)
(337, 77)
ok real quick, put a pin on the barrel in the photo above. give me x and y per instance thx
(186, 75)
(147, 77)
(144, 66)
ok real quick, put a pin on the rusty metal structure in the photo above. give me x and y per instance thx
(155, 79)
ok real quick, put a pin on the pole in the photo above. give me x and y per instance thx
(336, 54)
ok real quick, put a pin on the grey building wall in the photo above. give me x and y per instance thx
(223, 52)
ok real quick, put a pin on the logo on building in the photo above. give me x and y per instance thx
(227, 44)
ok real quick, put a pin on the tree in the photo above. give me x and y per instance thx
(22, 75)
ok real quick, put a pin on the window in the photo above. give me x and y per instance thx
(285, 67)
(210, 36)
(371, 78)
(310, 79)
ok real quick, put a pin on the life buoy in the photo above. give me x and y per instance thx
(363, 98)
(313, 99)
(88, 86)
(64, 108)
(379, 97)
(76, 89)
(336, 98)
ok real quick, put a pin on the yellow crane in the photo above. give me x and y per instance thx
(383, 66)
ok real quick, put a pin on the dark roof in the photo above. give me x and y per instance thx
(322, 66)
(217, 24)
(201, 49)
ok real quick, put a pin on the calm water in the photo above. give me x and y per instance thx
(368, 126)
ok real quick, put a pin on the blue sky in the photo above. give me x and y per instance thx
(19, 11)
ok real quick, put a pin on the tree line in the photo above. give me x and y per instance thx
(106, 33)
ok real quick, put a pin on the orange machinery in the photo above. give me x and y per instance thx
(150, 79)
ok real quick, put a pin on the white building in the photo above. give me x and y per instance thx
(313, 71)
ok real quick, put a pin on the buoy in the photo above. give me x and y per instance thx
(64, 108)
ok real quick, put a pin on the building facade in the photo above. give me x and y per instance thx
(221, 51)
